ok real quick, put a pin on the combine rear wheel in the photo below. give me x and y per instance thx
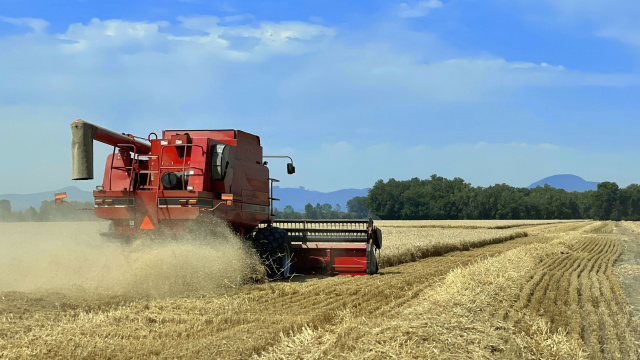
(372, 260)
(271, 244)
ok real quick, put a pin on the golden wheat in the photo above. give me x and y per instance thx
(468, 224)
(401, 245)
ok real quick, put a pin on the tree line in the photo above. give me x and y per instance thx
(356, 209)
(69, 211)
(48, 211)
(438, 198)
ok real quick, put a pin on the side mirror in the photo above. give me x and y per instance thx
(291, 169)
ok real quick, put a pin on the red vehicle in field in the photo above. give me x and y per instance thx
(182, 179)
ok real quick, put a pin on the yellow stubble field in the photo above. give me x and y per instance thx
(445, 290)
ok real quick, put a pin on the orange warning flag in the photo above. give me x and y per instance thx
(146, 224)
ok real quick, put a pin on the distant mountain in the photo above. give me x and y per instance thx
(299, 197)
(296, 197)
(567, 182)
(21, 202)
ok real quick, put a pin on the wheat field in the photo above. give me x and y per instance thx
(409, 243)
(552, 294)
(467, 224)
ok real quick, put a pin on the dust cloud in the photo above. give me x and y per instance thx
(73, 258)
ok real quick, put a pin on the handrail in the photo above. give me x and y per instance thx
(176, 145)
(278, 157)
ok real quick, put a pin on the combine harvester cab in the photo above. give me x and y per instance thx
(184, 179)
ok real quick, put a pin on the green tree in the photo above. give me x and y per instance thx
(5, 210)
(310, 211)
(606, 205)
(31, 214)
(630, 202)
(323, 211)
(385, 199)
(357, 206)
(288, 212)
(441, 198)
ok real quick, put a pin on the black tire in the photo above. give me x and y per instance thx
(372, 260)
(271, 244)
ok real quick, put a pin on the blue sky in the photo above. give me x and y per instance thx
(492, 91)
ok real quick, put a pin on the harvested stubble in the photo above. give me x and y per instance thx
(402, 245)
(452, 306)
(576, 290)
(244, 321)
(549, 300)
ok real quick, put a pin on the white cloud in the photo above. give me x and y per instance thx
(103, 60)
(98, 64)
(528, 65)
(484, 145)
(295, 84)
(384, 76)
(115, 34)
(548, 146)
(36, 24)
(614, 19)
(236, 18)
(420, 9)
(629, 36)
(287, 37)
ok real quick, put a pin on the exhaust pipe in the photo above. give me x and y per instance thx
(82, 135)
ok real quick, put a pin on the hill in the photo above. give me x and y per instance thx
(567, 182)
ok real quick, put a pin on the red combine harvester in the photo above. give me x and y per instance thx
(185, 178)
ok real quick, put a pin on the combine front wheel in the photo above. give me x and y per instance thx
(271, 245)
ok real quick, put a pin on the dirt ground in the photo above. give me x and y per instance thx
(552, 294)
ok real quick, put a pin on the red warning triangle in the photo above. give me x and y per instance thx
(146, 224)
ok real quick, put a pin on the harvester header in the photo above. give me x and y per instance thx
(181, 180)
